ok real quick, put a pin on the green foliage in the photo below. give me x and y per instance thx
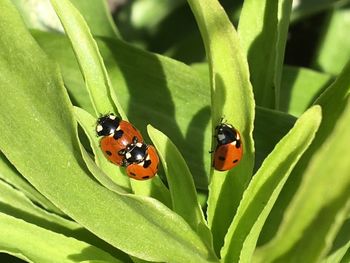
(62, 201)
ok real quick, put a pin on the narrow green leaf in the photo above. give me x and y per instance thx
(346, 258)
(269, 128)
(262, 28)
(305, 8)
(45, 245)
(300, 87)
(90, 61)
(232, 98)
(334, 47)
(98, 17)
(15, 203)
(340, 245)
(181, 185)
(332, 101)
(40, 15)
(50, 159)
(88, 123)
(9, 174)
(264, 188)
(316, 214)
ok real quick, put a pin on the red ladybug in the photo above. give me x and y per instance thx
(229, 149)
(117, 135)
(141, 160)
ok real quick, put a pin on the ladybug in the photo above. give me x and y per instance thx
(117, 135)
(141, 160)
(229, 149)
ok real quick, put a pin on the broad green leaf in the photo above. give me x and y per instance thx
(90, 61)
(332, 101)
(340, 246)
(264, 188)
(179, 178)
(39, 14)
(45, 245)
(334, 48)
(262, 28)
(9, 174)
(88, 123)
(300, 87)
(156, 90)
(316, 214)
(14, 203)
(50, 158)
(231, 98)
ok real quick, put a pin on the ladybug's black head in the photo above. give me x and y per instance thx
(226, 133)
(107, 124)
(136, 153)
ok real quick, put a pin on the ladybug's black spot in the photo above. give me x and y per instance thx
(132, 174)
(222, 158)
(234, 161)
(108, 153)
(118, 134)
(145, 177)
(146, 163)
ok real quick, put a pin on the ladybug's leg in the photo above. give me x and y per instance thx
(135, 140)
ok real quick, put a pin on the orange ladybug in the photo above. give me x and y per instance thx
(141, 160)
(117, 134)
(229, 149)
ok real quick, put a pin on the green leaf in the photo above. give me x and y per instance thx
(335, 34)
(316, 214)
(98, 17)
(269, 128)
(300, 87)
(56, 247)
(88, 123)
(262, 28)
(181, 185)
(147, 14)
(302, 9)
(40, 15)
(231, 98)
(332, 101)
(340, 245)
(90, 61)
(9, 174)
(35, 105)
(14, 203)
(264, 188)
